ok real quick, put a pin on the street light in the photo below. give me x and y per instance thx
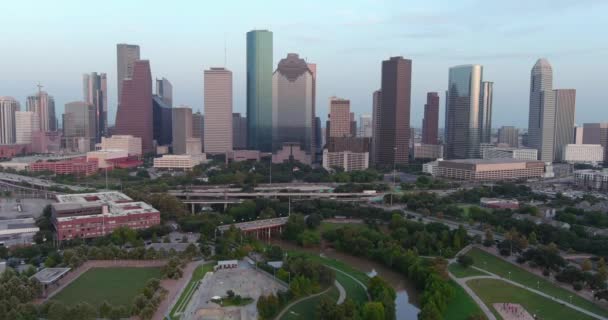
(509, 275)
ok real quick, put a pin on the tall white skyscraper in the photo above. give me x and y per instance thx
(26, 122)
(292, 103)
(365, 126)
(8, 107)
(541, 121)
(126, 55)
(44, 106)
(218, 110)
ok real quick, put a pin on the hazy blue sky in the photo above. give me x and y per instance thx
(54, 42)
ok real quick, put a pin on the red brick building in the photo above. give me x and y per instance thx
(93, 215)
(8, 151)
(76, 166)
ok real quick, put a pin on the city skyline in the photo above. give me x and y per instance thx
(509, 67)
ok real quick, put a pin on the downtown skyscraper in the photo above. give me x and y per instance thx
(218, 110)
(292, 104)
(393, 130)
(8, 107)
(565, 109)
(430, 122)
(95, 93)
(43, 105)
(468, 112)
(126, 55)
(135, 115)
(541, 121)
(259, 90)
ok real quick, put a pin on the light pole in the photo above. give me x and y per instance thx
(270, 175)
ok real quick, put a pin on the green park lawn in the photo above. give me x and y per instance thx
(497, 291)
(307, 309)
(185, 296)
(117, 286)
(502, 268)
(462, 306)
(461, 272)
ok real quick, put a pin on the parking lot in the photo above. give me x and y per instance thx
(244, 281)
(9, 208)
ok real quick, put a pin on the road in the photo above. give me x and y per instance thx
(428, 219)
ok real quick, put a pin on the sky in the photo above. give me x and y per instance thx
(55, 42)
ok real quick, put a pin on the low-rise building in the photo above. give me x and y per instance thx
(184, 162)
(496, 203)
(591, 179)
(77, 166)
(490, 169)
(110, 159)
(16, 232)
(130, 144)
(510, 153)
(291, 152)
(91, 215)
(349, 161)
(431, 167)
(243, 155)
(428, 151)
(8, 151)
(583, 153)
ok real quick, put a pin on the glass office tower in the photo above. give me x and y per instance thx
(259, 90)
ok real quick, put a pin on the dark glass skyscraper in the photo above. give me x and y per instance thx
(162, 118)
(487, 93)
(259, 90)
(463, 120)
(394, 114)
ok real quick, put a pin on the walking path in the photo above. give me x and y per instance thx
(175, 288)
(463, 283)
(355, 279)
(300, 300)
(342, 296)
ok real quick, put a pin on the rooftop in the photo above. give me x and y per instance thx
(489, 161)
(16, 224)
(97, 197)
(256, 224)
(50, 275)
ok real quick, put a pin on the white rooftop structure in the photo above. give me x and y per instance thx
(112, 203)
(48, 276)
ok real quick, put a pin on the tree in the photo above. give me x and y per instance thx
(373, 311)
(58, 311)
(489, 238)
(83, 311)
(602, 270)
(465, 261)
(587, 265)
(313, 221)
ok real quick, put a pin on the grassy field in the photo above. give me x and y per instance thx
(117, 286)
(185, 296)
(354, 291)
(357, 274)
(502, 268)
(461, 306)
(460, 272)
(497, 291)
(307, 308)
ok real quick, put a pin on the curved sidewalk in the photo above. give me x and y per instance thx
(300, 300)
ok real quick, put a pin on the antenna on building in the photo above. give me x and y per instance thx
(225, 51)
(40, 86)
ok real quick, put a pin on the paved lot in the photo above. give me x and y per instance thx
(243, 280)
(30, 208)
